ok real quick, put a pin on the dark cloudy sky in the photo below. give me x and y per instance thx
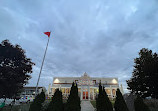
(100, 37)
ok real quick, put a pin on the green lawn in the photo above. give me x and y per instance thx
(23, 107)
(93, 102)
(112, 101)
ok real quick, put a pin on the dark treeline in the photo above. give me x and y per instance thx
(56, 104)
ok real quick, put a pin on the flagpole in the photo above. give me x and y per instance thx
(41, 67)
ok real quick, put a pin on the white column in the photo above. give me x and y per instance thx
(111, 92)
(88, 92)
(49, 89)
(60, 87)
(81, 94)
(121, 89)
(65, 92)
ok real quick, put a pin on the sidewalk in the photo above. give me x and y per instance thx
(86, 106)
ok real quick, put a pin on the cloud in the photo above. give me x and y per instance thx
(98, 37)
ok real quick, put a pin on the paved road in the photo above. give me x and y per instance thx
(86, 106)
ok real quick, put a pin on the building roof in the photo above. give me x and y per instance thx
(31, 87)
(84, 77)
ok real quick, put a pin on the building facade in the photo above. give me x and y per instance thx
(87, 86)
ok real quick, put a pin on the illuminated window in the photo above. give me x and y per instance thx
(67, 90)
(79, 89)
(53, 90)
(113, 92)
(95, 90)
(108, 91)
(63, 90)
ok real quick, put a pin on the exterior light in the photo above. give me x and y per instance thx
(56, 81)
(114, 81)
(97, 90)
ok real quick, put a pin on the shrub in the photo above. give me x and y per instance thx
(102, 101)
(73, 102)
(107, 101)
(120, 104)
(56, 104)
(140, 105)
(37, 103)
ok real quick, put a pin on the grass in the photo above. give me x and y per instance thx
(112, 101)
(23, 107)
(93, 102)
(152, 104)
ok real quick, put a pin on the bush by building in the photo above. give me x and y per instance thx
(102, 101)
(120, 104)
(36, 105)
(140, 105)
(57, 103)
(73, 102)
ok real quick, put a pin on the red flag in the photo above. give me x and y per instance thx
(47, 33)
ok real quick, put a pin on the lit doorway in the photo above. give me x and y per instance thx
(85, 95)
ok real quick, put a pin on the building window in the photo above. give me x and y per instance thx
(67, 91)
(94, 81)
(96, 90)
(53, 90)
(108, 91)
(113, 92)
(79, 92)
(91, 93)
(63, 90)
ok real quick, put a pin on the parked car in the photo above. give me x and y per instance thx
(22, 100)
(26, 99)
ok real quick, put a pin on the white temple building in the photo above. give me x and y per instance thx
(87, 86)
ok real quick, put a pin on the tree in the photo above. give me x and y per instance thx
(140, 105)
(120, 104)
(145, 75)
(57, 103)
(73, 102)
(15, 69)
(107, 101)
(37, 103)
(102, 101)
(99, 100)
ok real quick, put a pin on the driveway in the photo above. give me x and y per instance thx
(86, 106)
